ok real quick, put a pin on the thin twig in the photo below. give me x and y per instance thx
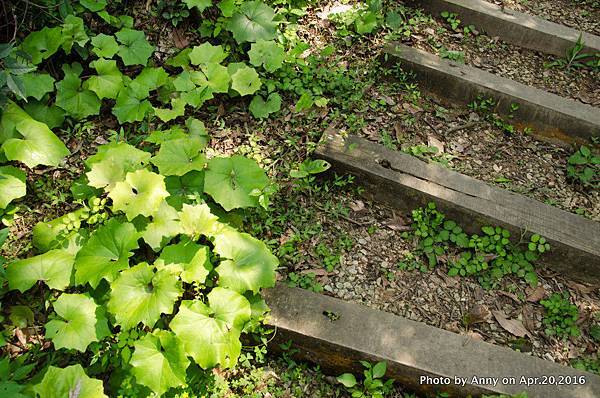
(359, 223)
(22, 20)
(435, 130)
(461, 127)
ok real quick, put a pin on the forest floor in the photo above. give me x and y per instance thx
(329, 238)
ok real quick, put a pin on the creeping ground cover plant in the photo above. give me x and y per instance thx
(156, 256)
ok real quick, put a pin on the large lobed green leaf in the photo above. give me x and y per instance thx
(140, 294)
(189, 260)
(206, 53)
(247, 263)
(261, 108)
(180, 156)
(53, 267)
(104, 46)
(142, 192)
(245, 80)
(69, 382)
(231, 180)
(106, 253)
(210, 334)
(266, 53)
(134, 49)
(164, 226)
(38, 84)
(42, 44)
(253, 21)
(109, 80)
(112, 162)
(12, 185)
(37, 145)
(81, 322)
(73, 97)
(159, 361)
(198, 220)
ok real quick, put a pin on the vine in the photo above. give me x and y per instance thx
(151, 265)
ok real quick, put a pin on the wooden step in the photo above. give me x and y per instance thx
(336, 334)
(513, 26)
(405, 182)
(551, 117)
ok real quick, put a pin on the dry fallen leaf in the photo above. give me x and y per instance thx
(452, 327)
(535, 295)
(448, 280)
(509, 295)
(513, 326)
(397, 223)
(398, 131)
(477, 314)
(581, 288)
(410, 108)
(474, 335)
(357, 205)
(179, 39)
(100, 140)
(432, 141)
(528, 321)
(21, 337)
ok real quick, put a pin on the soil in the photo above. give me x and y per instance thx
(513, 62)
(524, 66)
(577, 14)
(470, 144)
(369, 274)
(401, 117)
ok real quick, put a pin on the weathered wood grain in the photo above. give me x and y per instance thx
(513, 26)
(411, 349)
(551, 117)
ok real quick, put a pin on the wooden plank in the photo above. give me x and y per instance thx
(411, 349)
(405, 182)
(551, 117)
(514, 27)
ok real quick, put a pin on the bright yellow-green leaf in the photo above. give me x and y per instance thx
(164, 225)
(38, 144)
(12, 185)
(206, 53)
(63, 383)
(247, 262)
(109, 80)
(188, 259)
(141, 193)
(210, 334)
(231, 180)
(180, 156)
(81, 322)
(53, 268)
(245, 81)
(134, 49)
(198, 220)
(112, 162)
(159, 361)
(106, 253)
(140, 295)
